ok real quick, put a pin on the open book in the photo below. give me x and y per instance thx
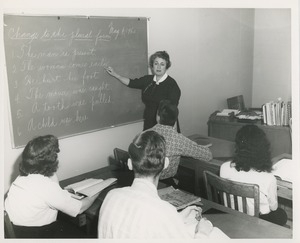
(285, 169)
(179, 199)
(89, 187)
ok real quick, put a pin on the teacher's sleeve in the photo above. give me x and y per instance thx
(174, 94)
(139, 83)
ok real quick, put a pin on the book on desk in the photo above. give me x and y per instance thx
(284, 169)
(89, 187)
(178, 198)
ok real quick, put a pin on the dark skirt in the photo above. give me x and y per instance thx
(57, 229)
(278, 216)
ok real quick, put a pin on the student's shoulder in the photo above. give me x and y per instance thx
(268, 176)
(226, 165)
(118, 191)
(226, 168)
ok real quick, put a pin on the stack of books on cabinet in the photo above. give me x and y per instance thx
(277, 113)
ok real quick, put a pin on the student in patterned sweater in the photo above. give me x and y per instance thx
(177, 144)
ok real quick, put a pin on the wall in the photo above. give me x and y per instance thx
(222, 58)
(211, 52)
(272, 56)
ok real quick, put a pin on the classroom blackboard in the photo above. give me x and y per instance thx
(56, 73)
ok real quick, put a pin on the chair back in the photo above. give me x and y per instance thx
(222, 191)
(121, 156)
(8, 227)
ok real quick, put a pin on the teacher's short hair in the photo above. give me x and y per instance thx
(40, 156)
(161, 54)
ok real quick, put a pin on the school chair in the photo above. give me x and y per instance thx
(123, 174)
(121, 156)
(8, 227)
(222, 191)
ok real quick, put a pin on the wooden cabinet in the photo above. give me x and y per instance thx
(279, 136)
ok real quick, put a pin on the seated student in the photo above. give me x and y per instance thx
(252, 164)
(35, 197)
(177, 144)
(137, 211)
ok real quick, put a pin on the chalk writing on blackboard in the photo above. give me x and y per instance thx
(56, 73)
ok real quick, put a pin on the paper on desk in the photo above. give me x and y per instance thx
(226, 112)
(284, 169)
(191, 223)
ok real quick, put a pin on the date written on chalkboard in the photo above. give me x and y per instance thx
(56, 73)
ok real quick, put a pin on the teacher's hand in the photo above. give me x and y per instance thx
(111, 71)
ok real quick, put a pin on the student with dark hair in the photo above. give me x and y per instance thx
(176, 143)
(137, 212)
(154, 87)
(35, 197)
(252, 164)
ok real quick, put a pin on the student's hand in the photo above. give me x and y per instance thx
(93, 198)
(190, 213)
(87, 202)
(203, 227)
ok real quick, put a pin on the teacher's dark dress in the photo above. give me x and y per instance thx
(153, 93)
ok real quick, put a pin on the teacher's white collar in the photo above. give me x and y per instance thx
(163, 78)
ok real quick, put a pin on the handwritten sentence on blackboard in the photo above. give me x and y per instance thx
(78, 35)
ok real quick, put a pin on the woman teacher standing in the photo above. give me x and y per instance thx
(156, 87)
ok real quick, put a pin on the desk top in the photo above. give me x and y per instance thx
(237, 225)
(220, 147)
(236, 122)
(231, 222)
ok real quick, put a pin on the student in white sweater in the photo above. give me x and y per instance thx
(35, 197)
(252, 164)
(137, 212)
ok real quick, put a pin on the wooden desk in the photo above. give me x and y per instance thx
(233, 223)
(220, 148)
(238, 225)
(223, 150)
(285, 188)
(89, 219)
(279, 136)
